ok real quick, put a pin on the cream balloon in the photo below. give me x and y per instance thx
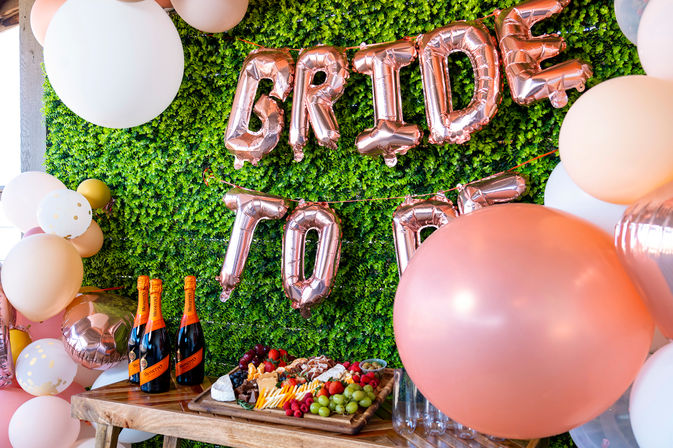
(41, 275)
(40, 16)
(43, 422)
(616, 140)
(64, 213)
(211, 16)
(22, 195)
(116, 64)
(90, 242)
(561, 193)
(655, 39)
(115, 374)
(45, 368)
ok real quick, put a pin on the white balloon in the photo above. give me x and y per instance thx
(116, 64)
(651, 405)
(115, 374)
(22, 195)
(628, 13)
(65, 213)
(563, 194)
(655, 39)
(43, 422)
(211, 16)
(45, 368)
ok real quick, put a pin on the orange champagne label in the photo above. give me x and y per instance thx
(134, 367)
(156, 320)
(154, 371)
(143, 309)
(153, 325)
(189, 363)
(189, 315)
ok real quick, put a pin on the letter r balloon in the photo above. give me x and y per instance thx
(251, 207)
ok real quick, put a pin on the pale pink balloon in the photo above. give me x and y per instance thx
(41, 15)
(211, 16)
(33, 231)
(50, 328)
(73, 389)
(90, 242)
(43, 422)
(10, 399)
(520, 321)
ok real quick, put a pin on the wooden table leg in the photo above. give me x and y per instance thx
(171, 442)
(106, 436)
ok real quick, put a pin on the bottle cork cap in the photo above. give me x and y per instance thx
(155, 285)
(190, 282)
(143, 282)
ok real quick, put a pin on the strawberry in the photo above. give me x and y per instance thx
(274, 354)
(346, 364)
(336, 388)
(283, 353)
(282, 363)
(268, 366)
(371, 375)
(322, 391)
(365, 379)
(356, 378)
(374, 383)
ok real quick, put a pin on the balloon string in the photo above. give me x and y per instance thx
(362, 45)
(208, 174)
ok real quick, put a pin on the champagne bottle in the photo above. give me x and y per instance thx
(189, 368)
(155, 348)
(138, 328)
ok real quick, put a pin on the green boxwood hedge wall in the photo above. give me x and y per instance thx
(167, 223)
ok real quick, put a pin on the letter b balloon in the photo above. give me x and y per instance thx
(519, 321)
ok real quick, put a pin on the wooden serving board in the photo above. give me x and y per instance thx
(344, 424)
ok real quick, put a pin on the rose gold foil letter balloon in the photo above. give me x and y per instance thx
(390, 136)
(473, 39)
(308, 292)
(96, 328)
(7, 321)
(492, 190)
(523, 53)
(644, 240)
(246, 145)
(313, 102)
(251, 207)
(413, 216)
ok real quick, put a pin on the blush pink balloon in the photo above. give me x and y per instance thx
(519, 321)
(73, 389)
(33, 231)
(40, 17)
(50, 328)
(11, 398)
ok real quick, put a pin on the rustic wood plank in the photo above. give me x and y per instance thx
(171, 442)
(106, 436)
(33, 129)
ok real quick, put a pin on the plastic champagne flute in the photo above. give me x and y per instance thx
(405, 412)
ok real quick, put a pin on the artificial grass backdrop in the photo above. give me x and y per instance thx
(167, 223)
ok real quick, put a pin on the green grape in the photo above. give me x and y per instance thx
(324, 411)
(371, 395)
(356, 386)
(315, 407)
(352, 407)
(365, 402)
(323, 400)
(368, 388)
(340, 409)
(332, 405)
(348, 393)
(339, 399)
(358, 395)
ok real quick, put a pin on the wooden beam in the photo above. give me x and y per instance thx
(33, 129)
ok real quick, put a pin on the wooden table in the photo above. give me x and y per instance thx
(123, 405)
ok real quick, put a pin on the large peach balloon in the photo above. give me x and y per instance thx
(23, 194)
(41, 275)
(211, 16)
(40, 16)
(616, 140)
(90, 242)
(519, 321)
(11, 398)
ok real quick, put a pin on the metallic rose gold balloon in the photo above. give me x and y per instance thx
(523, 53)
(246, 145)
(313, 102)
(473, 39)
(413, 216)
(390, 136)
(96, 328)
(308, 292)
(644, 240)
(250, 207)
(7, 321)
(492, 190)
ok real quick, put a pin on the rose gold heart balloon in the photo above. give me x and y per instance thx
(96, 328)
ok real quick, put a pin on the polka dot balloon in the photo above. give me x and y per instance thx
(44, 368)
(64, 213)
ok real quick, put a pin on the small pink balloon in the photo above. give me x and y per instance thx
(73, 389)
(50, 328)
(11, 398)
(41, 15)
(33, 231)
